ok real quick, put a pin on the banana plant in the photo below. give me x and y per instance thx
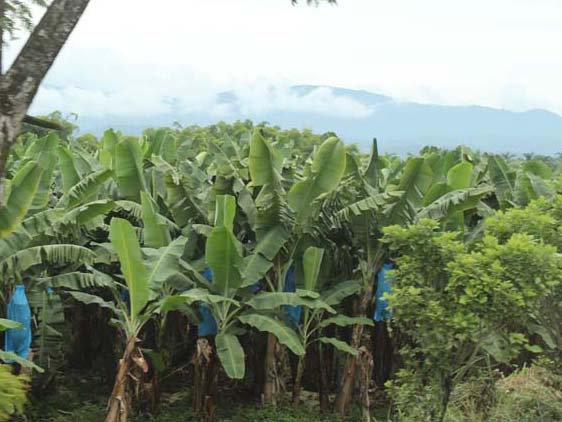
(313, 318)
(289, 217)
(225, 296)
(408, 195)
(144, 278)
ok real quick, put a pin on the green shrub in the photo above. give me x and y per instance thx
(13, 390)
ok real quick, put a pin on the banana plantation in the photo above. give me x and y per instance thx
(190, 271)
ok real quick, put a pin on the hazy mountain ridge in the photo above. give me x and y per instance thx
(401, 127)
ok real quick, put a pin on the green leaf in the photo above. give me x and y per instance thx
(456, 201)
(459, 176)
(43, 152)
(46, 255)
(273, 300)
(372, 172)
(164, 262)
(534, 348)
(129, 168)
(12, 357)
(225, 211)
(345, 321)
(502, 177)
(260, 261)
(24, 186)
(231, 355)
(78, 280)
(281, 331)
(338, 344)
(312, 261)
(156, 234)
(264, 162)
(414, 182)
(124, 240)
(87, 189)
(88, 299)
(70, 175)
(224, 258)
(340, 291)
(190, 296)
(326, 172)
(6, 324)
(107, 153)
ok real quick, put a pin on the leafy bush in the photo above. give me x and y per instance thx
(461, 311)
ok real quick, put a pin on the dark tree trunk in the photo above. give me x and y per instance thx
(20, 83)
(383, 354)
(119, 402)
(270, 389)
(205, 380)
(297, 385)
(345, 395)
(365, 363)
(322, 380)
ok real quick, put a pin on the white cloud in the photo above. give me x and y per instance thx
(140, 101)
(126, 56)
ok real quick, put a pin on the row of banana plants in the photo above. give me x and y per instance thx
(129, 224)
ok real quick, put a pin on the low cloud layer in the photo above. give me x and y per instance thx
(246, 100)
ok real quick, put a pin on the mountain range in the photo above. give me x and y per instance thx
(400, 127)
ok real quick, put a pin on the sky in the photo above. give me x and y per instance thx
(142, 57)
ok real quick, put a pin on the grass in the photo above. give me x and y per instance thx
(81, 397)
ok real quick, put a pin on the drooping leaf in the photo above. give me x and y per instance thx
(164, 262)
(87, 189)
(231, 355)
(88, 299)
(273, 300)
(345, 321)
(453, 202)
(46, 255)
(260, 261)
(340, 291)
(281, 331)
(342, 346)
(6, 324)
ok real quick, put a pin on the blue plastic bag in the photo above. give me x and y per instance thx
(292, 313)
(382, 313)
(208, 324)
(18, 340)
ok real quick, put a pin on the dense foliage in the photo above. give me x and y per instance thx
(112, 236)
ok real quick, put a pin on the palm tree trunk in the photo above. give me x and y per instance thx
(270, 389)
(119, 402)
(297, 385)
(322, 381)
(205, 380)
(345, 395)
